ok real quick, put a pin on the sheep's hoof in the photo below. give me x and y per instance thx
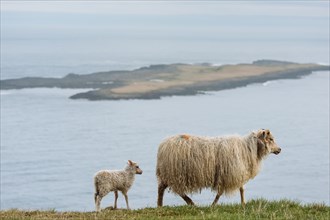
(110, 208)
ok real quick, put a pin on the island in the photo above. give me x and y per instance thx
(156, 81)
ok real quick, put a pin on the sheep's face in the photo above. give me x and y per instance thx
(134, 166)
(266, 143)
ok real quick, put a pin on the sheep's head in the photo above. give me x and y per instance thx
(266, 143)
(134, 166)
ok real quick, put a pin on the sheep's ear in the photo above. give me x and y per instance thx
(260, 145)
(130, 162)
(262, 134)
(267, 132)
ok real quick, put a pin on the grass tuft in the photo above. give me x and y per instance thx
(254, 209)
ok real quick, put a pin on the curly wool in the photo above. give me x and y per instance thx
(106, 181)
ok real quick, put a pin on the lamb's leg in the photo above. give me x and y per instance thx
(126, 199)
(161, 189)
(216, 199)
(116, 197)
(187, 199)
(98, 199)
(241, 190)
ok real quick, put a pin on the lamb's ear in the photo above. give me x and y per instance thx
(130, 162)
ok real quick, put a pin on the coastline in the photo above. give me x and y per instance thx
(157, 81)
(201, 88)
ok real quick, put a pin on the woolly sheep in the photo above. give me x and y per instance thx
(188, 164)
(106, 181)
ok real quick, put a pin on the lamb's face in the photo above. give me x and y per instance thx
(134, 166)
(138, 170)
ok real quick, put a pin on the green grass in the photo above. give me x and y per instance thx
(255, 209)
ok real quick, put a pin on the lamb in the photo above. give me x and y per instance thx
(106, 181)
(188, 164)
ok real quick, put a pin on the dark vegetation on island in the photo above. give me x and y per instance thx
(156, 81)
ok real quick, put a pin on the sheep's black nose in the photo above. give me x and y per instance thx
(277, 151)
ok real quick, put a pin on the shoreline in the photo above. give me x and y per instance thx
(201, 88)
(157, 81)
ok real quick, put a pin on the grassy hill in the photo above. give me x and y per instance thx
(255, 209)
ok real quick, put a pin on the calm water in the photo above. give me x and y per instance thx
(51, 146)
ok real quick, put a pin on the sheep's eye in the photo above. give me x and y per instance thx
(271, 139)
(137, 167)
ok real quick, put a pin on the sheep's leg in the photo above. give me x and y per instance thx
(126, 199)
(161, 189)
(216, 199)
(116, 197)
(241, 190)
(187, 199)
(98, 199)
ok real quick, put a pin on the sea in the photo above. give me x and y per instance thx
(51, 146)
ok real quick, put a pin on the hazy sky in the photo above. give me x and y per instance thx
(230, 18)
(174, 29)
(268, 8)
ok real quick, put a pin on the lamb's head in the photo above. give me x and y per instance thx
(133, 167)
(266, 143)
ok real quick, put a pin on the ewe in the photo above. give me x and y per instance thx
(188, 164)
